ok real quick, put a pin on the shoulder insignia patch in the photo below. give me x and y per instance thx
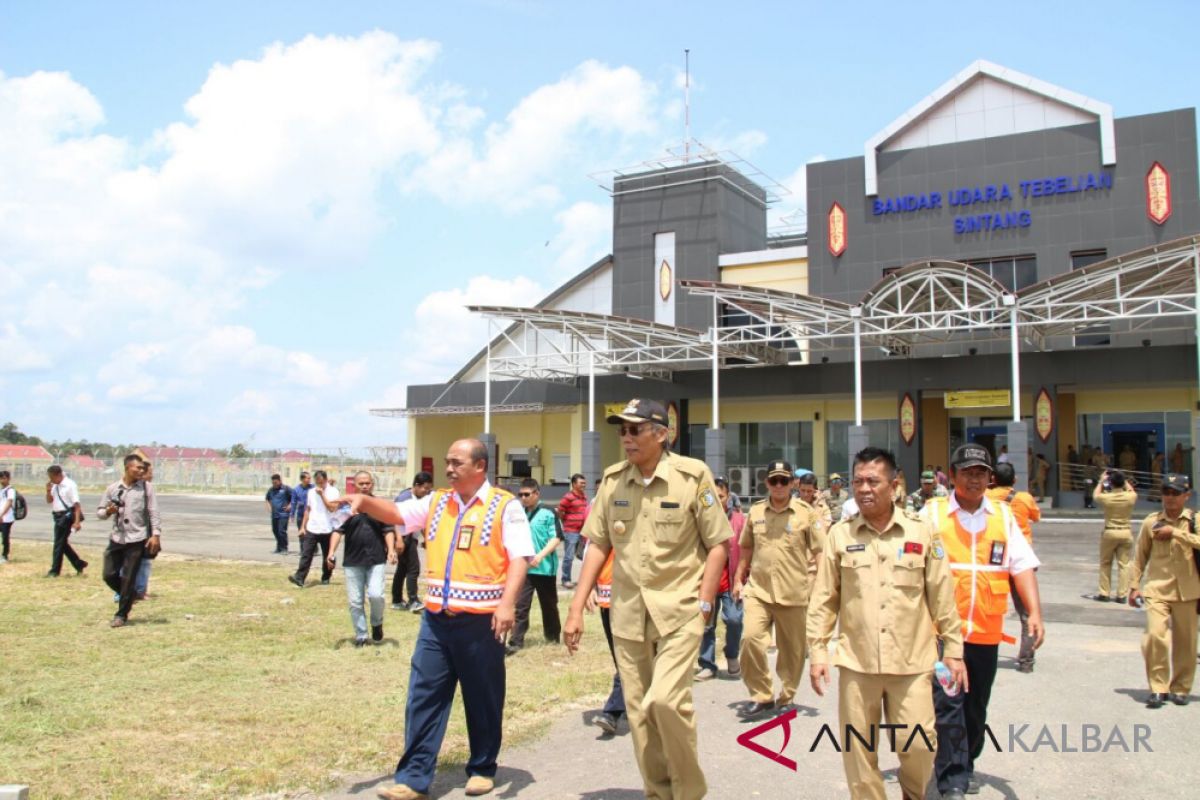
(707, 497)
(913, 515)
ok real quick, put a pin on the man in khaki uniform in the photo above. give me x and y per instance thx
(835, 497)
(1166, 556)
(1117, 540)
(660, 514)
(780, 538)
(884, 575)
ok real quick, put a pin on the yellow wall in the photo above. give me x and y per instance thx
(1134, 400)
(788, 275)
(935, 431)
(554, 433)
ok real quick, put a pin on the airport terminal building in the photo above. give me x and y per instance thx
(1007, 262)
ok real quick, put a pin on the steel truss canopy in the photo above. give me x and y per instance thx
(935, 301)
(450, 411)
(560, 346)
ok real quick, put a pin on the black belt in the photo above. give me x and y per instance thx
(59, 514)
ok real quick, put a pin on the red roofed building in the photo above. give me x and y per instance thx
(188, 453)
(24, 461)
(80, 461)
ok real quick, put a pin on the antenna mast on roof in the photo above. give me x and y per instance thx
(687, 106)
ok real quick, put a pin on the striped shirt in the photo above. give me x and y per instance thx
(574, 510)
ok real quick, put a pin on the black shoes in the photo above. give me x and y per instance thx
(1100, 598)
(760, 708)
(1156, 700)
(79, 570)
(511, 649)
(607, 722)
(377, 633)
(292, 579)
(1178, 699)
(324, 581)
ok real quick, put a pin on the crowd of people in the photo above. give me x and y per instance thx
(881, 583)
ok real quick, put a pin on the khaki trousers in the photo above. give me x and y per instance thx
(790, 634)
(1174, 648)
(656, 675)
(1115, 543)
(906, 700)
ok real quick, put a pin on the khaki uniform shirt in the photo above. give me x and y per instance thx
(890, 591)
(784, 543)
(1118, 507)
(834, 504)
(1168, 566)
(661, 534)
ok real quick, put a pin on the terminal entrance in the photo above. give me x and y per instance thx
(1132, 445)
(993, 437)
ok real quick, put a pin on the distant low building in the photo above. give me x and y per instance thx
(24, 461)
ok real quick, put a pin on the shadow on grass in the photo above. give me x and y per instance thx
(349, 641)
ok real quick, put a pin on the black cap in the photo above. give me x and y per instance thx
(971, 455)
(640, 411)
(1176, 482)
(779, 468)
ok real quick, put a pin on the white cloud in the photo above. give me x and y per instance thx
(585, 235)
(794, 204)
(517, 163)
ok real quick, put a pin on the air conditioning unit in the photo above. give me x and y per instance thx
(760, 482)
(737, 481)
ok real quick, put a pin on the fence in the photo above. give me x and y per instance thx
(216, 474)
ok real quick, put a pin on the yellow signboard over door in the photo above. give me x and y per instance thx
(986, 398)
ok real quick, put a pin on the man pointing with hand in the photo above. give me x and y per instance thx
(477, 546)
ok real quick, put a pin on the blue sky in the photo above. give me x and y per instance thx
(222, 220)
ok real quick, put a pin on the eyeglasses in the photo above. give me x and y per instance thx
(525, 494)
(633, 430)
(777, 481)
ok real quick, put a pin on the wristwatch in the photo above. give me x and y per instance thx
(705, 607)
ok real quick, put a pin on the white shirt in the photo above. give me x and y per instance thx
(518, 539)
(1018, 556)
(849, 509)
(64, 495)
(8, 495)
(318, 514)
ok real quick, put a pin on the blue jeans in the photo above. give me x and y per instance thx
(731, 614)
(142, 583)
(370, 580)
(570, 545)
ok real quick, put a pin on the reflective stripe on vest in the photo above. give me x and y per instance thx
(981, 588)
(604, 581)
(466, 564)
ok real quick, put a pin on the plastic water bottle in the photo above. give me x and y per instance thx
(338, 518)
(945, 679)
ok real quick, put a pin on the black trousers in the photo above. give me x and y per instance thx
(547, 595)
(408, 569)
(615, 704)
(961, 719)
(308, 548)
(5, 532)
(279, 526)
(62, 547)
(121, 562)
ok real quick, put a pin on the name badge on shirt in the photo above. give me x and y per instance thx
(997, 554)
(465, 534)
(856, 548)
(668, 504)
(620, 503)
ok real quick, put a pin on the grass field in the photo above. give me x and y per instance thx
(228, 682)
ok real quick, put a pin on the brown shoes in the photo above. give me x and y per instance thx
(478, 784)
(399, 791)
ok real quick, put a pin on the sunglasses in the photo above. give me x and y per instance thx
(777, 481)
(632, 430)
(525, 494)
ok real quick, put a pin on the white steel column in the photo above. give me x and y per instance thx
(487, 384)
(856, 313)
(591, 390)
(1015, 342)
(716, 372)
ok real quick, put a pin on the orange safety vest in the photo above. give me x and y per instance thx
(977, 563)
(466, 564)
(604, 581)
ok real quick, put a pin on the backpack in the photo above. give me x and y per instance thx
(20, 508)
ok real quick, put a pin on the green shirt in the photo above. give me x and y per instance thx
(544, 527)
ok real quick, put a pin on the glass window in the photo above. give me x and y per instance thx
(883, 433)
(1012, 272)
(1091, 335)
(1084, 258)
